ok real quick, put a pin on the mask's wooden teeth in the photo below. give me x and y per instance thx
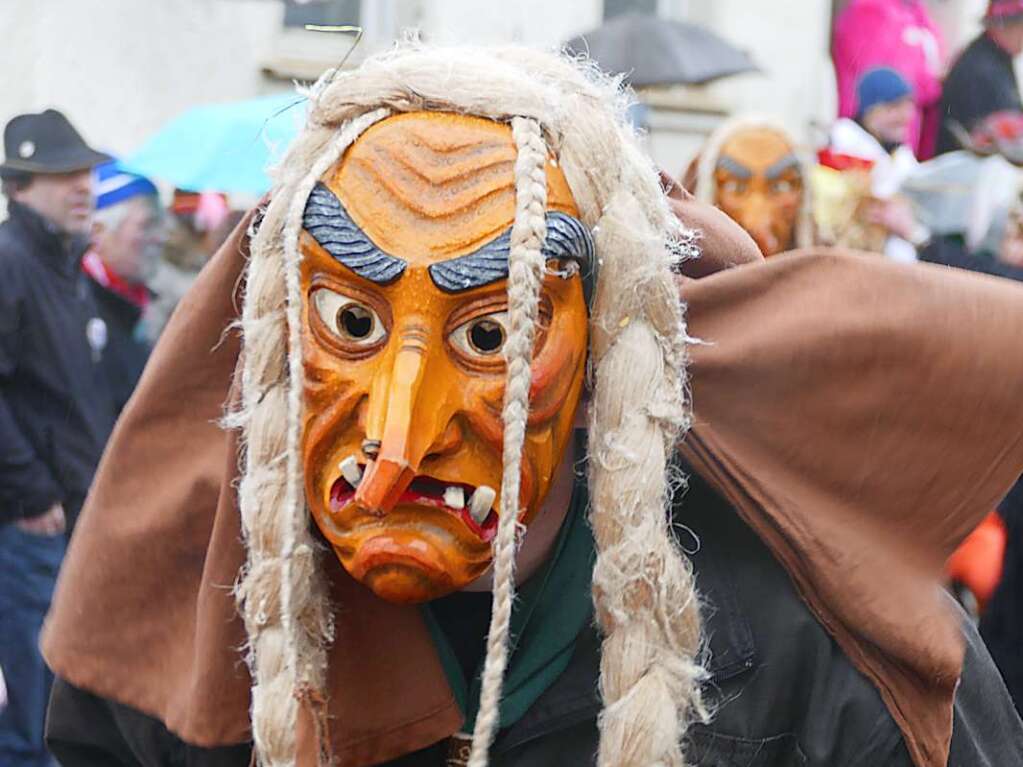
(481, 502)
(454, 497)
(350, 470)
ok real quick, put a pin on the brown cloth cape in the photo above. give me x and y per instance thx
(862, 416)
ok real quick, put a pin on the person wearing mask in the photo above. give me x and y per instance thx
(125, 248)
(55, 407)
(982, 81)
(878, 136)
(750, 168)
(380, 332)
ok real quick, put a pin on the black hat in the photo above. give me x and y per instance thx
(46, 143)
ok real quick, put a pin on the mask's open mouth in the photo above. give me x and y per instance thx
(474, 506)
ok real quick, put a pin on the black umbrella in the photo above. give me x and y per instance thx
(653, 51)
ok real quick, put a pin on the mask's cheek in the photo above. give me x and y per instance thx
(786, 207)
(557, 381)
(558, 372)
(332, 398)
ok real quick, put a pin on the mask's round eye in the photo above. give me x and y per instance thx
(351, 320)
(481, 336)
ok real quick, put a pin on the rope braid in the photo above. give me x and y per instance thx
(525, 272)
(643, 588)
(282, 592)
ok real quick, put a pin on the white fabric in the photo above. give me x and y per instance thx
(890, 172)
(963, 193)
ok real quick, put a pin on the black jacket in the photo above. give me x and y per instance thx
(1002, 622)
(982, 81)
(126, 351)
(950, 250)
(55, 408)
(783, 692)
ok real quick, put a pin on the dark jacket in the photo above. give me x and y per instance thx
(950, 250)
(127, 350)
(982, 81)
(784, 694)
(1002, 623)
(55, 409)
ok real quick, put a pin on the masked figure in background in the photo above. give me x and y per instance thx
(750, 169)
(437, 565)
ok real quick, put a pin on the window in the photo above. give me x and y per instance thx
(614, 8)
(298, 13)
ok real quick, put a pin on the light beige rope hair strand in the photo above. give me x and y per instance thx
(525, 272)
(282, 592)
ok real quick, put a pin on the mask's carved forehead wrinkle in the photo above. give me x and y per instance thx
(756, 149)
(427, 186)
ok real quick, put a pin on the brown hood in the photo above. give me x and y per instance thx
(862, 417)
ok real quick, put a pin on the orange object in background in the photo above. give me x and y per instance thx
(977, 563)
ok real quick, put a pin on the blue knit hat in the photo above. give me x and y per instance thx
(113, 185)
(880, 86)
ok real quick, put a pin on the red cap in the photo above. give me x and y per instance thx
(1003, 9)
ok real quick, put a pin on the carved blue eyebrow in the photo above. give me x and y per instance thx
(782, 165)
(567, 239)
(329, 224)
(734, 167)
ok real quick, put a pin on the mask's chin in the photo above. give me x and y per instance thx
(404, 569)
(426, 547)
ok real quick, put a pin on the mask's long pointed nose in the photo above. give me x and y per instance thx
(400, 453)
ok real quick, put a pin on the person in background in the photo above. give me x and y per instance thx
(198, 222)
(878, 135)
(997, 250)
(900, 34)
(750, 169)
(982, 80)
(1000, 254)
(126, 242)
(55, 407)
(1001, 625)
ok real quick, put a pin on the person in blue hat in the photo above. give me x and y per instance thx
(126, 243)
(885, 107)
(879, 136)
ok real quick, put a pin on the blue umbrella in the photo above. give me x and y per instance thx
(222, 147)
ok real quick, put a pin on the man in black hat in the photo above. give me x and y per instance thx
(55, 406)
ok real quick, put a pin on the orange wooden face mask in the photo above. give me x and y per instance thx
(760, 187)
(405, 314)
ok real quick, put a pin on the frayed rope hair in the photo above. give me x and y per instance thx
(643, 589)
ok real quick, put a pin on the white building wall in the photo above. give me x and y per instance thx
(121, 68)
(533, 22)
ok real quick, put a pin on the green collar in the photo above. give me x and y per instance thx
(554, 604)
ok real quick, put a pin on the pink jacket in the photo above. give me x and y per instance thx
(893, 33)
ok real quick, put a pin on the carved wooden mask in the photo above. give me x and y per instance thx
(405, 256)
(760, 186)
